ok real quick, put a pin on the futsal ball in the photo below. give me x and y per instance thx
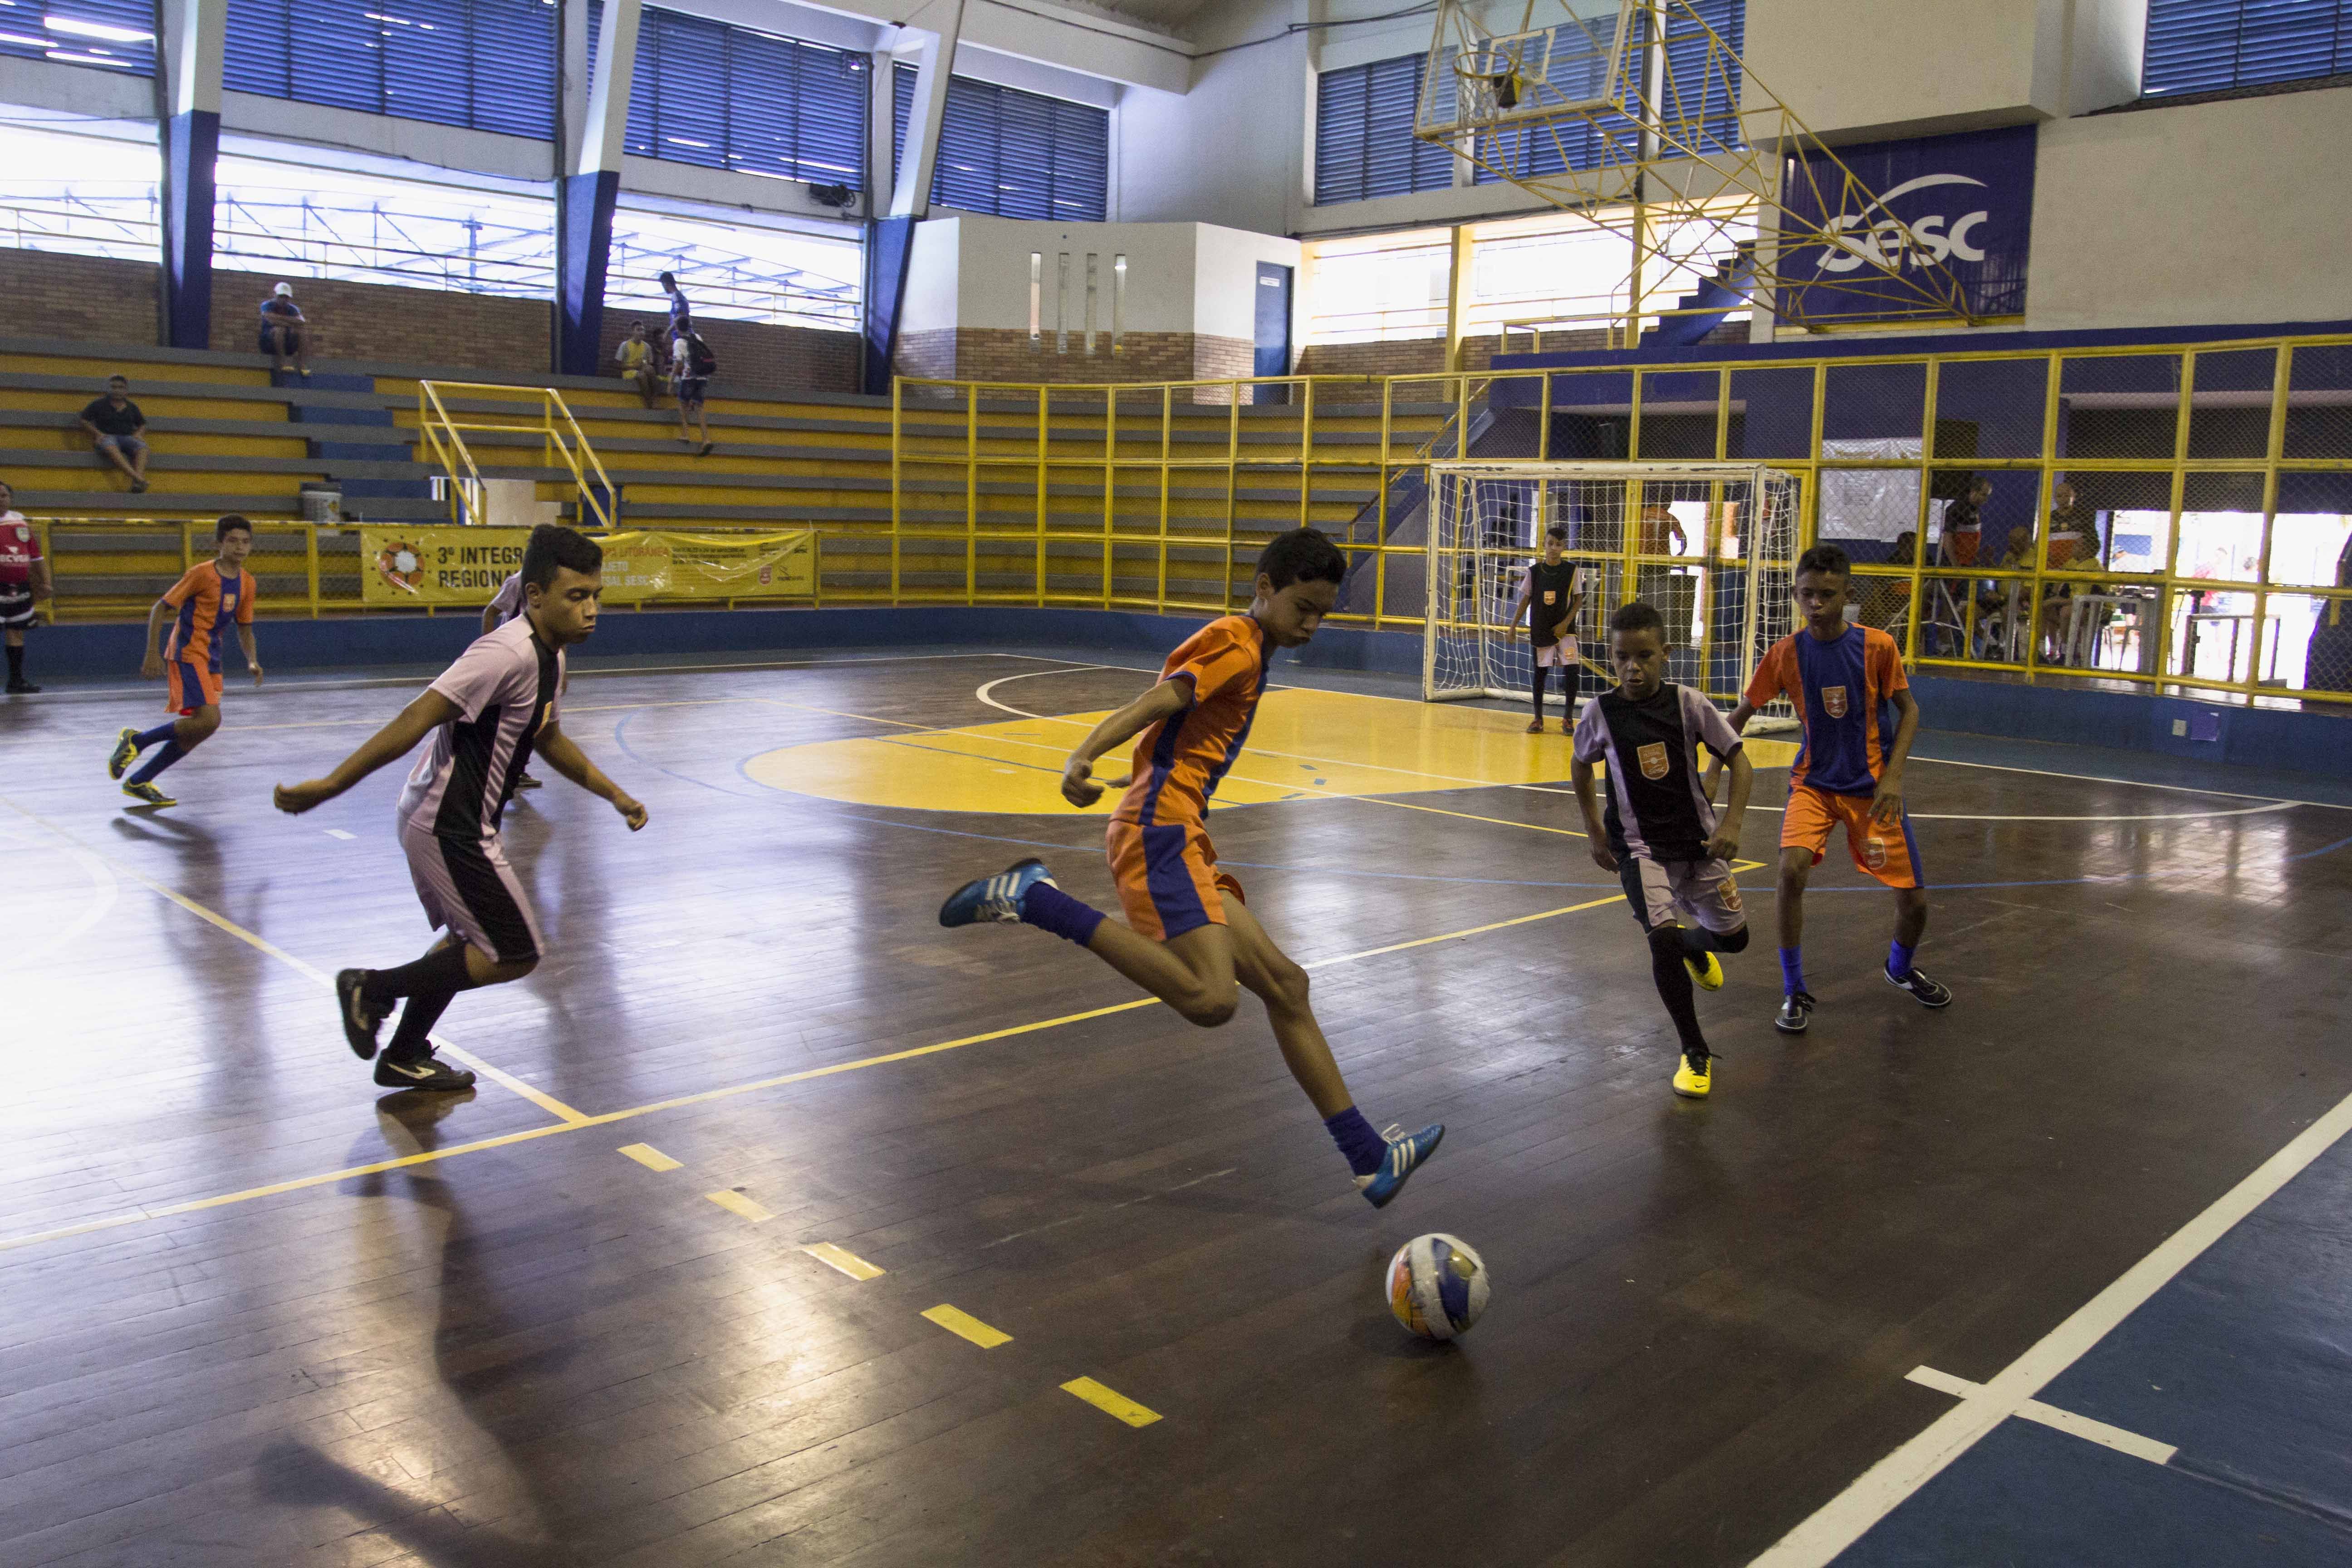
(1437, 1285)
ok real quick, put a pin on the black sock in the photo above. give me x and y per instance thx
(443, 969)
(410, 1042)
(1539, 693)
(1699, 940)
(16, 661)
(1676, 990)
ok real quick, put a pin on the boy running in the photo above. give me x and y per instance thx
(1189, 938)
(211, 596)
(1846, 683)
(486, 714)
(1660, 834)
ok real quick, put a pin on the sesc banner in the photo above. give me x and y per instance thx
(1965, 200)
(452, 565)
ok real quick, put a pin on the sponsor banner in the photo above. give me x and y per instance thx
(450, 566)
(1965, 202)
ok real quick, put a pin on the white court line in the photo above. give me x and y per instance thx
(1842, 1522)
(2049, 1415)
(2147, 816)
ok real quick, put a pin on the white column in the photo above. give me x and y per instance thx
(911, 196)
(604, 123)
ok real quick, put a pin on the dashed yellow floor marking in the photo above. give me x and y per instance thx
(841, 1258)
(736, 1202)
(963, 1325)
(651, 1158)
(1110, 1401)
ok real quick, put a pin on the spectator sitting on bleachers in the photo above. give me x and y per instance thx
(692, 364)
(119, 431)
(24, 578)
(638, 363)
(282, 330)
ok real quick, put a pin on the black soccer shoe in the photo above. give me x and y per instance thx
(20, 687)
(360, 1021)
(430, 1073)
(1928, 992)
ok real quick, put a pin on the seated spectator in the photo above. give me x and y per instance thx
(638, 363)
(282, 330)
(24, 578)
(119, 431)
(692, 364)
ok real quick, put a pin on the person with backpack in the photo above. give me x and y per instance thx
(692, 364)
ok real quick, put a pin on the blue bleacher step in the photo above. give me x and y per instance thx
(384, 489)
(323, 381)
(361, 451)
(324, 414)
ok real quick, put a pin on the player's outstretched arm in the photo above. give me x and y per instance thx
(566, 758)
(1886, 804)
(395, 741)
(1724, 844)
(1596, 832)
(1165, 700)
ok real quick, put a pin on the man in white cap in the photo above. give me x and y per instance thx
(281, 330)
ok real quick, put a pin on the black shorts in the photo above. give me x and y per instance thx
(16, 606)
(293, 340)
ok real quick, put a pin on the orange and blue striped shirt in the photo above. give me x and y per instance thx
(1843, 691)
(205, 597)
(1181, 759)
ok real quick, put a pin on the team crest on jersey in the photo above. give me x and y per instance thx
(1833, 702)
(1873, 853)
(1654, 759)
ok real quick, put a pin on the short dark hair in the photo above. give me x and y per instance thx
(668, 280)
(1825, 558)
(1302, 556)
(552, 546)
(228, 525)
(1555, 531)
(1638, 617)
(118, 376)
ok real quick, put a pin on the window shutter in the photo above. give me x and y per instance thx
(2210, 46)
(734, 98)
(24, 33)
(486, 64)
(1364, 144)
(1011, 153)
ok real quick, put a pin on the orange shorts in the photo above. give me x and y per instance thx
(1168, 877)
(192, 687)
(1890, 856)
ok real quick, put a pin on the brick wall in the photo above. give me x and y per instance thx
(756, 358)
(928, 354)
(43, 295)
(378, 322)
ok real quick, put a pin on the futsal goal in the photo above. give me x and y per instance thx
(1711, 546)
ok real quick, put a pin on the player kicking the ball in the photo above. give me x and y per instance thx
(1660, 834)
(486, 714)
(1846, 683)
(1189, 938)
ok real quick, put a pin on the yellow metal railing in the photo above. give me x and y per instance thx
(2241, 427)
(563, 444)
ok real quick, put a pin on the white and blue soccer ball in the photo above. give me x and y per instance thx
(1437, 1285)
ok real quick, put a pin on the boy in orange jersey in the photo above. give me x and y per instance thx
(1189, 939)
(210, 597)
(1846, 683)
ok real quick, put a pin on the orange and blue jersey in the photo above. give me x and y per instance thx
(1181, 759)
(1842, 690)
(208, 599)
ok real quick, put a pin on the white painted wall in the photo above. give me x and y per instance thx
(2236, 211)
(1224, 281)
(933, 274)
(968, 271)
(1233, 149)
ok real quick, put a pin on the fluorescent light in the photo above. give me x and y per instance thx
(96, 30)
(71, 59)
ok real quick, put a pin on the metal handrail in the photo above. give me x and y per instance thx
(444, 436)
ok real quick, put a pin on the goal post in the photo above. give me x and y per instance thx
(1712, 546)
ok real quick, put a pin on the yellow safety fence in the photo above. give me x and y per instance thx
(563, 444)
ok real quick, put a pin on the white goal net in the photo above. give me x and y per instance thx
(1711, 546)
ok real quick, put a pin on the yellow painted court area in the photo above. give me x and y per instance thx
(1307, 744)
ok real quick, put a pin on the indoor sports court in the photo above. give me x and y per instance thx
(1670, 682)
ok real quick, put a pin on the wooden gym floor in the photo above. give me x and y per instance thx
(785, 1225)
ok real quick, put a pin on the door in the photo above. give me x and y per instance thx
(1273, 329)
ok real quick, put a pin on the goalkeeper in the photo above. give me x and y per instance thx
(1552, 597)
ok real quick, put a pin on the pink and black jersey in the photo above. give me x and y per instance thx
(19, 548)
(505, 687)
(1657, 809)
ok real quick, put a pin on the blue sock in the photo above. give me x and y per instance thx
(1793, 970)
(1048, 907)
(1364, 1148)
(156, 764)
(158, 735)
(1898, 959)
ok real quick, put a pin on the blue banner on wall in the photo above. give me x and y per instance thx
(1966, 201)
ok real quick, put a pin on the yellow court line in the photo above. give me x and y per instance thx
(963, 1325)
(844, 1259)
(428, 1156)
(651, 1158)
(546, 1102)
(1111, 1401)
(736, 1202)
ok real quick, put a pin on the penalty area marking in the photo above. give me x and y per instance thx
(1879, 1490)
